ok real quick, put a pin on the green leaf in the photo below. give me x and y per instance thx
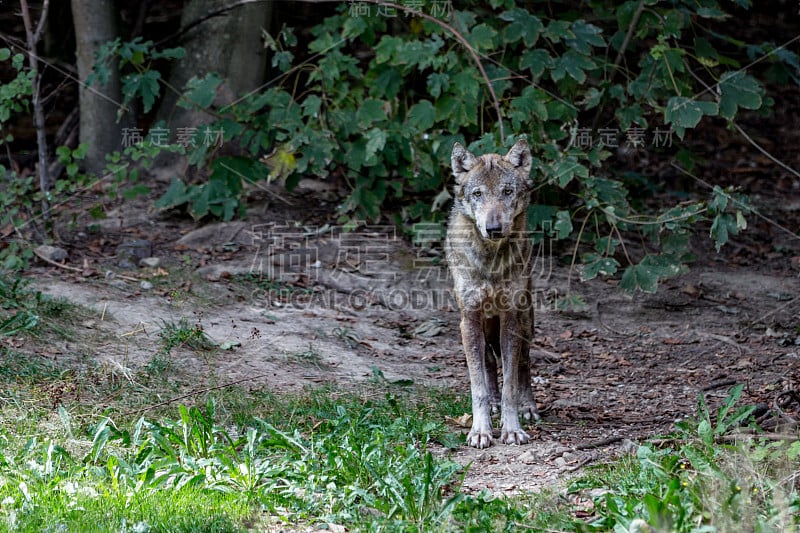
(144, 85)
(639, 277)
(537, 61)
(540, 216)
(594, 265)
(176, 194)
(558, 30)
(705, 52)
(712, 13)
(706, 432)
(376, 140)
(422, 115)
(438, 82)
(586, 36)
(481, 37)
(135, 191)
(724, 225)
(738, 89)
(200, 92)
(566, 169)
(527, 106)
(573, 64)
(311, 105)
(684, 112)
(20, 321)
(169, 53)
(5, 53)
(370, 111)
(592, 98)
(523, 26)
(387, 83)
(387, 48)
(719, 200)
(663, 266)
(563, 225)
(572, 302)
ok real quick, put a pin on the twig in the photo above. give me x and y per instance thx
(578, 466)
(733, 437)
(211, 14)
(735, 201)
(719, 385)
(194, 393)
(620, 55)
(763, 151)
(598, 443)
(76, 269)
(33, 35)
(744, 133)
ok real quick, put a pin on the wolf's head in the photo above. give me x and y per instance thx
(492, 190)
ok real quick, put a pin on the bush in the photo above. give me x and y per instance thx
(383, 100)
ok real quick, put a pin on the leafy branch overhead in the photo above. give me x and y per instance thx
(383, 109)
(379, 101)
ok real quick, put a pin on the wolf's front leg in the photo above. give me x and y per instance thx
(472, 337)
(511, 431)
(527, 403)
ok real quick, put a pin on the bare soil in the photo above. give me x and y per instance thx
(371, 304)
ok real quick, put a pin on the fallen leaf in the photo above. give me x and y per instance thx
(464, 421)
(691, 290)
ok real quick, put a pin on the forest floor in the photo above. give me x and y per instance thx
(294, 302)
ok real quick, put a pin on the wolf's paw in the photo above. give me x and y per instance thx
(529, 411)
(479, 439)
(514, 436)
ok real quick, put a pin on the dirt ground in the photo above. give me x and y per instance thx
(371, 304)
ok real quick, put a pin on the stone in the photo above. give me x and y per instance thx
(150, 262)
(53, 253)
(129, 253)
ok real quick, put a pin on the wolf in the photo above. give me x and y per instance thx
(489, 256)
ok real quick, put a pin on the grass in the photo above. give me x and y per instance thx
(252, 461)
(708, 476)
(86, 458)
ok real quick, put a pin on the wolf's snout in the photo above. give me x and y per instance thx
(495, 231)
(494, 227)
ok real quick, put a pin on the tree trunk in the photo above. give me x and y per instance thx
(95, 24)
(33, 34)
(229, 44)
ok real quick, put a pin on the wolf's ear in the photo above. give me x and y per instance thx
(461, 161)
(520, 156)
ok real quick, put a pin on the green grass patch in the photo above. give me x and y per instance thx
(77, 453)
(710, 476)
(251, 460)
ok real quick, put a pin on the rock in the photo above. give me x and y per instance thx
(228, 233)
(150, 262)
(225, 270)
(529, 458)
(53, 253)
(118, 284)
(129, 253)
(146, 285)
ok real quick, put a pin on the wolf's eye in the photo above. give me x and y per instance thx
(508, 191)
(477, 193)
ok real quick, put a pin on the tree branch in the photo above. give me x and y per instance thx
(211, 14)
(33, 35)
(618, 59)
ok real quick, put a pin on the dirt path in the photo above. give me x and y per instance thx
(369, 305)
